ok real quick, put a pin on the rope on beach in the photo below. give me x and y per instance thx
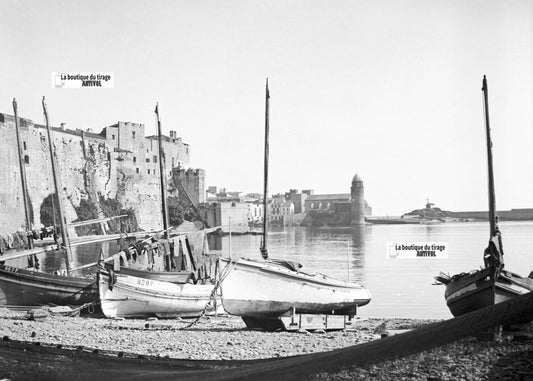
(212, 296)
(90, 308)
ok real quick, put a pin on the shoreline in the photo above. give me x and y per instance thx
(228, 334)
(225, 337)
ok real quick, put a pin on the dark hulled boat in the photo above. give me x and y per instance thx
(30, 287)
(23, 287)
(471, 291)
(467, 292)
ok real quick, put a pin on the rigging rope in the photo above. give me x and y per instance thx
(223, 275)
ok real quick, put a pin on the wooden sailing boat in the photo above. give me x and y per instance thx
(26, 287)
(270, 288)
(492, 284)
(134, 293)
(29, 287)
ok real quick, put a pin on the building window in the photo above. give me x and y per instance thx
(133, 134)
(172, 162)
(24, 145)
(187, 150)
(26, 159)
(134, 159)
(113, 136)
(147, 160)
(155, 159)
(148, 171)
(137, 170)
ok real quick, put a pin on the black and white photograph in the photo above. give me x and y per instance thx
(266, 190)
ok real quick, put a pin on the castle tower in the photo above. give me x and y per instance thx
(358, 201)
(190, 184)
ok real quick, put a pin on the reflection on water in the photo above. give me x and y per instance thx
(55, 260)
(357, 251)
(399, 287)
(82, 255)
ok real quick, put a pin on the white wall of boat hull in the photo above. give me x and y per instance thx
(139, 297)
(252, 291)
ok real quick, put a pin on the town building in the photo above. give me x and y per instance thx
(298, 199)
(143, 151)
(255, 212)
(338, 209)
(190, 185)
(226, 214)
(280, 209)
(216, 208)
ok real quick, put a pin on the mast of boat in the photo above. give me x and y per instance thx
(63, 226)
(229, 228)
(495, 235)
(264, 250)
(492, 196)
(162, 174)
(23, 176)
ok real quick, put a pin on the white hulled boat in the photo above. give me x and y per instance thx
(133, 297)
(274, 288)
(271, 288)
(126, 295)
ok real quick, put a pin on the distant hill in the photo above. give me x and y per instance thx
(429, 212)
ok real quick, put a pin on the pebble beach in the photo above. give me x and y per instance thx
(227, 338)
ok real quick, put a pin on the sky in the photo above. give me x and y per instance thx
(390, 90)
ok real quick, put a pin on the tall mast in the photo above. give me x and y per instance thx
(492, 196)
(58, 190)
(23, 175)
(493, 255)
(162, 174)
(264, 250)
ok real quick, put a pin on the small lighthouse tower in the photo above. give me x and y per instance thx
(358, 201)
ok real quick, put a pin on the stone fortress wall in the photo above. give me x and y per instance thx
(117, 163)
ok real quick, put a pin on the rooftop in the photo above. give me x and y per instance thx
(319, 197)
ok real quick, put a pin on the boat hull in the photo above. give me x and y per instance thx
(134, 297)
(469, 292)
(264, 289)
(20, 287)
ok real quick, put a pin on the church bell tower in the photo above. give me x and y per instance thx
(358, 201)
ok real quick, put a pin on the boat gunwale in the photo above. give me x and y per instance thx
(313, 278)
(50, 280)
(157, 294)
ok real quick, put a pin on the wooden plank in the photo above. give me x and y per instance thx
(24, 253)
(94, 221)
(81, 241)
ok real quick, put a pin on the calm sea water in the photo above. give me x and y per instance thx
(399, 287)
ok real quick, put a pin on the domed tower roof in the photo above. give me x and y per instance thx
(356, 178)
